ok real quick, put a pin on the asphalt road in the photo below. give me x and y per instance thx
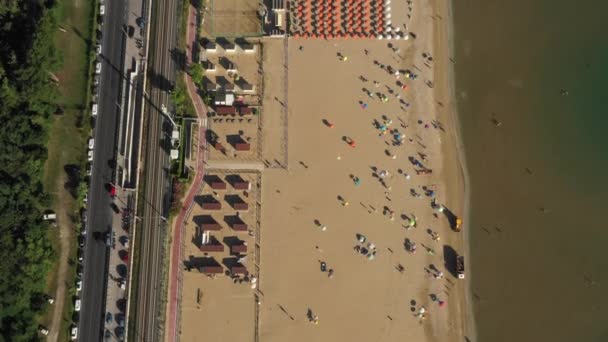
(161, 73)
(99, 211)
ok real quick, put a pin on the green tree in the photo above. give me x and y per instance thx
(179, 98)
(197, 73)
(27, 98)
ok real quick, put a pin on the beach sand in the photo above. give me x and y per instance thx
(365, 299)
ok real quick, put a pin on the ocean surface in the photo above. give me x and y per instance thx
(538, 181)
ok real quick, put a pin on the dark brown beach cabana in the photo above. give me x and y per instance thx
(239, 269)
(211, 205)
(211, 269)
(242, 146)
(215, 246)
(244, 185)
(239, 248)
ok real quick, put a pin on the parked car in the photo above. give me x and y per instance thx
(102, 9)
(74, 333)
(120, 319)
(43, 330)
(94, 109)
(120, 333)
(98, 50)
(124, 240)
(98, 68)
(91, 143)
(130, 31)
(90, 156)
(49, 216)
(77, 305)
(79, 285)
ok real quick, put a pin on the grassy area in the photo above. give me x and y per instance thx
(68, 135)
(78, 20)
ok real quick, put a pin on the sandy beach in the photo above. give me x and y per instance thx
(340, 177)
(364, 299)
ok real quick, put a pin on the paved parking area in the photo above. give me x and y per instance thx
(118, 268)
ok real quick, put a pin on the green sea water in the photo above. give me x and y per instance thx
(538, 182)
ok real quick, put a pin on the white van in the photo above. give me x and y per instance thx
(49, 217)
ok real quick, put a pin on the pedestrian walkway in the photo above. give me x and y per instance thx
(176, 248)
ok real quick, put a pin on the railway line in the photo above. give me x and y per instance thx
(153, 228)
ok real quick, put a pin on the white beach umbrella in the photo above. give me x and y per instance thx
(397, 29)
(405, 37)
(387, 36)
(388, 29)
(380, 37)
(388, 23)
(387, 15)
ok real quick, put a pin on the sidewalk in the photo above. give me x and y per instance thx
(176, 248)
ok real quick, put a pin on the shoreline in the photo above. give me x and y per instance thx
(458, 191)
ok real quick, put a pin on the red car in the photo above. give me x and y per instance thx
(124, 255)
(111, 189)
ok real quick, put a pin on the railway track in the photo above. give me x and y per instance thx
(161, 70)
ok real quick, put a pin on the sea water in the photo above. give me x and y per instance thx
(532, 92)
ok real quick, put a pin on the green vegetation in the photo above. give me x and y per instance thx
(67, 137)
(197, 73)
(27, 93)
(179, 96)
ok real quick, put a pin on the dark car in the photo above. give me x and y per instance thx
(130, 31)
(115, 208)
(120, 319)
(122, 269)
(119, 332)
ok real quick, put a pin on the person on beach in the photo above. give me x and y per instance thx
(350, 142)
(435, 236)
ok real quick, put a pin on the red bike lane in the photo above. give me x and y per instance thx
(176, 248)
